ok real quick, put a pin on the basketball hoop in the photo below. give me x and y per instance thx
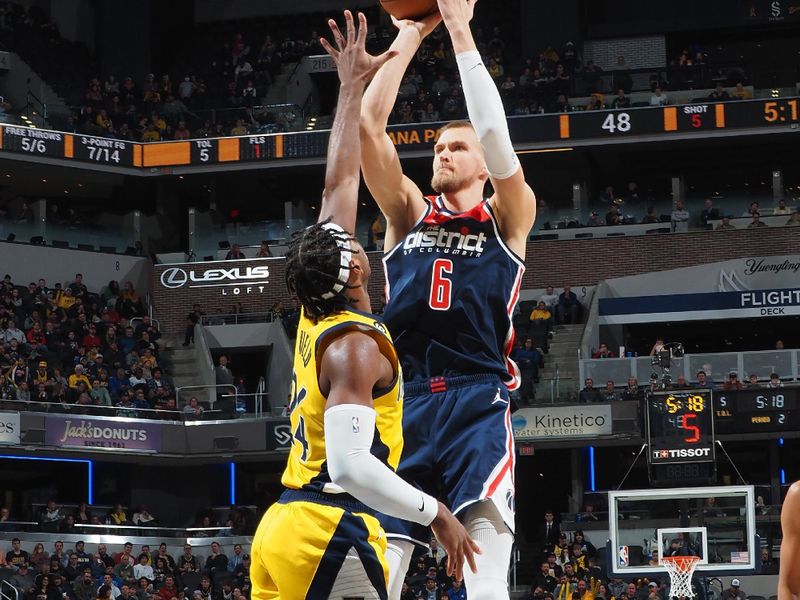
(680, 569)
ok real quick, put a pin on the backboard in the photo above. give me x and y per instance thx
(717, 524)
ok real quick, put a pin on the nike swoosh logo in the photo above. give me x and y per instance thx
(422, 506)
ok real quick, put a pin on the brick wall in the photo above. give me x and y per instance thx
(645, 52)
(576, 262)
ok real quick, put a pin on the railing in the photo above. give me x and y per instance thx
(136, 320)
(212, 396)
(95, 410)
(716, 366)
(236, 318)
(240, 400)
(8, 591)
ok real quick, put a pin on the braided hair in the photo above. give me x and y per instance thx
(318, 267)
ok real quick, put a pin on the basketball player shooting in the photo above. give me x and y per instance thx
(789, 576)
(454, 265)
(322, 540)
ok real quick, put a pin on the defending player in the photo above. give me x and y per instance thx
(453, 269)
(321, 540)
(789, 576)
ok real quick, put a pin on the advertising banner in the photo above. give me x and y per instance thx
(102, 432)
(562, 422)
(9, 428)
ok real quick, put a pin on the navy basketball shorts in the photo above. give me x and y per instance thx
(458, 446)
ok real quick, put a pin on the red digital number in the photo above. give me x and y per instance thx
(695, 437)
(441, 286)
(696, 121)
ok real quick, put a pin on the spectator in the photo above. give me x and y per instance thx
(756, 222)
(632, 392)
(541, 321)
(726, 223)
(752, 381)
(529, 360)
(794, 220)
(680, 218)
(732, 383)
(734, 592)
(659, 98)
(774, 381)
(23, 579)
(51, 514)
(143, 517)
(118, 517)
(237, 559)
(142, 569)
(709, 213)
(782, 209)
(621, 100)
(108, 583)
(589, 394)
(719, 94)
(703, 381)
(187, 563)
(457, 591)
(609, 394)
(16, 557)
(604, 352)
(216, 561)
(568, 309)
(84, 587)
(191, 320)
(742, 93)
(550, 298)
(264, 251)
(549, 531)
(193, 409)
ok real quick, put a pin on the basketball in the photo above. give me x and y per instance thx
(409, 9)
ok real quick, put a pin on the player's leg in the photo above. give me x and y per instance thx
(364, 572)
(263, 586)
(416, 466)
(485, 525)
(398, 559)
(476, 459)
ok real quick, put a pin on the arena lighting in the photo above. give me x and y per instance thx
(780, 441)
(233, 484)
(591, 469)
(89, 464)
(783, 477)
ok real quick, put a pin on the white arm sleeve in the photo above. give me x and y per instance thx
(487, 115)
(349, 430)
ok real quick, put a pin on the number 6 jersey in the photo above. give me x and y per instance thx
(451, 287)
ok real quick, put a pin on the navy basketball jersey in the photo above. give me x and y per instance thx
(451, 287)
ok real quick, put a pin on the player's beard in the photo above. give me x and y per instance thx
(445, 181)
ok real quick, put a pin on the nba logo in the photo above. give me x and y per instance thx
(622, 556)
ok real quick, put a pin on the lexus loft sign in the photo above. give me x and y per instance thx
(231, 281)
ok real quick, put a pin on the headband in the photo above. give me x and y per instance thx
(342, 239)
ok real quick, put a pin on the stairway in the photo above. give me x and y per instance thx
(561, 364)
(276, 94)
(181, 366)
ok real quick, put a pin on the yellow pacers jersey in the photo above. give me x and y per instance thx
(307, 466)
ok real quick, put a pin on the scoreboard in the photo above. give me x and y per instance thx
(702, 119)
(757, 410)
(680, 436)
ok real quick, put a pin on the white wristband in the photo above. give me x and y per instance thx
(487, 115)
(349, 431)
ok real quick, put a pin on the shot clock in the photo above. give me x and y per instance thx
(680, 436)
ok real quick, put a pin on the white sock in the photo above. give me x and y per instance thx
(398, 557)
(486, 527)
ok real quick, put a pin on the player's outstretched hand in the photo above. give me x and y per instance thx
(456, 541)
(353, 62)
(424, 26)
(457, 13)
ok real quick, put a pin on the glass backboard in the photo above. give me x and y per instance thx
(717, 524)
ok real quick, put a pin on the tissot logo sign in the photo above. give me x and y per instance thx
(230, 281)
(681, 453)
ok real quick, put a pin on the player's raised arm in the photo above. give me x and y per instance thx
(789, 577)
(355, 68)
(513, 201)
(398, 197)
(352, 367)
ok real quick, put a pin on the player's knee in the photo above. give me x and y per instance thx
(485, 516)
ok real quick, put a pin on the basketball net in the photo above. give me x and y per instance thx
(680, 569)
